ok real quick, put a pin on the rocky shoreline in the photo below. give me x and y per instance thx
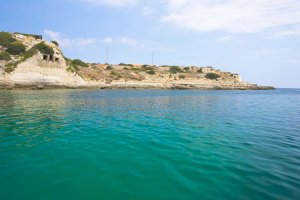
(42, 86)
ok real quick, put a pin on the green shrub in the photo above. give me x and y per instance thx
(16, 48)
(175, 70)
(113, 73)
(150, 71)
(144, 66)
(124, 64)
(72, 68)
(80, 63)
(4, 56)
(6, 39)
(29, 53)
(212, 76)
(9, 69)
(150, 68)
(181, 76)
(136, 69)
(186, 68)
(44, 48)
(54, 42)
(73, 65)
(109, 67)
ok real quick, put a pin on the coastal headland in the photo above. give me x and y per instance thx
(27, 61)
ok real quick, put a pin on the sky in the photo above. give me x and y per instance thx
(258, 39)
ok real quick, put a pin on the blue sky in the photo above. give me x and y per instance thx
(259, 39)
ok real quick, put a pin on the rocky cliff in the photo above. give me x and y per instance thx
(26, 61)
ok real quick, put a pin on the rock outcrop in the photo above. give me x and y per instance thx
(42, 65)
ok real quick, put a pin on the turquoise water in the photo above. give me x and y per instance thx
(155, 144)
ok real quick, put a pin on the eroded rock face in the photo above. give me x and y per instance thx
(53, 71)
(40, 70)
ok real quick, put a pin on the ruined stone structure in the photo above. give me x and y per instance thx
(209, 70)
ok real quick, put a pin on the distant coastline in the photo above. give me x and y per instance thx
(27, 61)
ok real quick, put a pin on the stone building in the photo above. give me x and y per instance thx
(49, 57)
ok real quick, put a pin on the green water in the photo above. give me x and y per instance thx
(156, 144)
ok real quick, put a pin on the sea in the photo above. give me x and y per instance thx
(149, 144)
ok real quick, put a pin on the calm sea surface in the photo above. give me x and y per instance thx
(149, 144)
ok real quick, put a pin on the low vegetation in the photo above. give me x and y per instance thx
(136, 69)
(9, 67)
(74, 65)
(54, 42)
(6, 39)
(16, 48)
(44, 48)
(113, 73)
(124, 64)
(175, 70)
(212, 76)
(109, 67)
(150, 71)
(144, 66)
(4, 56)
(80, 63)
(181, 76)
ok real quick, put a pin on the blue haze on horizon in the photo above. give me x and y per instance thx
(259, 39)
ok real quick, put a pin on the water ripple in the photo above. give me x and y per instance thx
(157, 144)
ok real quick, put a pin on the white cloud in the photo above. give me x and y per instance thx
(108, 40)
(67, 42)
(278, 17)
(129, 41)
(233, 16)
(113, 3)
